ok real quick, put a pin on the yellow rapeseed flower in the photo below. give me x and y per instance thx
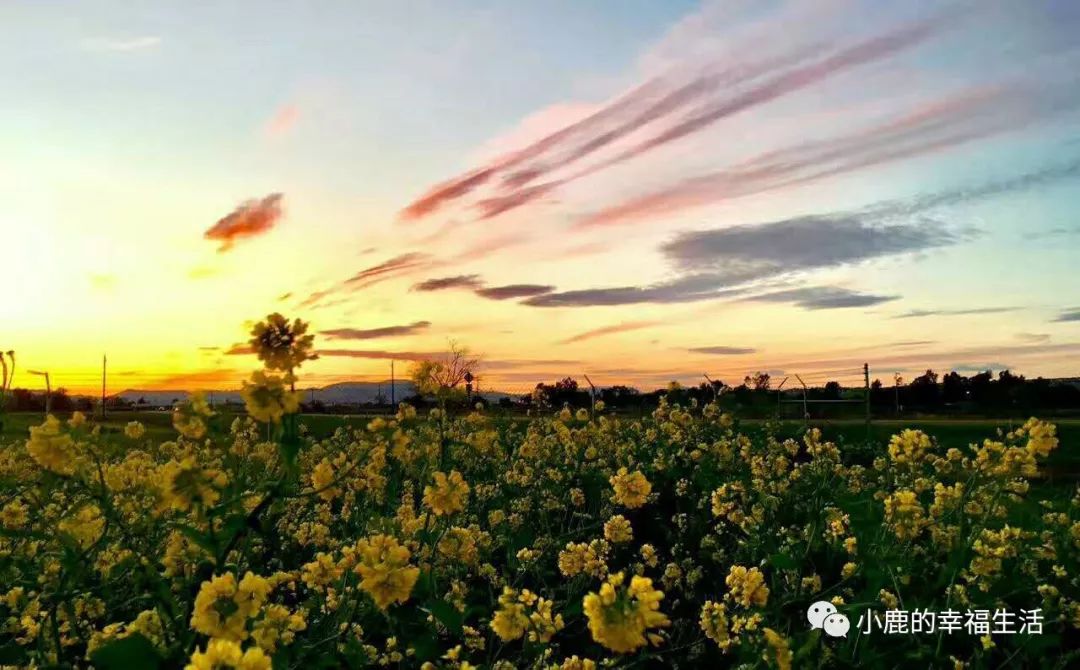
(50, 448)
(747, 587)
(186, 484)
(620, 618)
(84, 527)
(905, 515)
(267, 399)
(322, 478)
(281, 345)
(384, 569)
(188, 425)
(447, 494)
(618, 530)
(221, 610)
(781, 649)
(714, 623)
(522, 612)
(632, 489)
(77, 420)
(910, 447)
(223, 654)
(14, 515)
(134, 430)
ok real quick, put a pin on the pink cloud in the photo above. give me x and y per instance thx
(929, 127)
(610, 330)
(282, 122)
(251, 219)
(689, 99)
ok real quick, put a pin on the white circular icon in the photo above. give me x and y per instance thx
(837, 625)
(817, 612)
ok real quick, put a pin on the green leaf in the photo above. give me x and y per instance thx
(133, 651)
(355, 655)
(447, 614)
(12, 654)
(810, 644)
(783, 562)
(425, 646)
(197, 537)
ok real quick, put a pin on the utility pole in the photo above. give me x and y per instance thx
(897, 380)
(592, 397)
(393, 397)
(866, 384)
(103, 363)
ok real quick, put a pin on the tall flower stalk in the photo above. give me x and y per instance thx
(282, 346)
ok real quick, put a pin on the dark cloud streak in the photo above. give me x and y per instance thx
(447, 283)
(375, 333)
(511, 291)
(823, 297)
(968, 311)
(722, 350)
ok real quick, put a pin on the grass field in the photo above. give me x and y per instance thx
(1064, 463)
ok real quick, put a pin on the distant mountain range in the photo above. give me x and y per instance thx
(343, 393)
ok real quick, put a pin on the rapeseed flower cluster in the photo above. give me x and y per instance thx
(459, 538)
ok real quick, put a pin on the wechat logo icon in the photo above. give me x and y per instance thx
(823, 614)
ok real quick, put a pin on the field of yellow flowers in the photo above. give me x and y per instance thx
(571, 540)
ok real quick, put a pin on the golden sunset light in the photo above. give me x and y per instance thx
(551, 335)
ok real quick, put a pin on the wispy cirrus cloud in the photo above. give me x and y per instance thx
(511, 291)
(943, 357)
(519, 363)
(250, 219)
(401, 265)
(375, 333)
(476, 284)
(1034, 338)
(726, 262)
(823, 297)
(446, 283)
(397, 266)
(956, 119)
(609, 330)
(380, 354)
(1056, 232)
(121, 43)
(282, 121)
(693, 97)
(801, 243)
(964, 311)
(721, 350)
(691, 288)
(978, 367)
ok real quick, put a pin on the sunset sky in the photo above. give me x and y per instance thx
(639, 191)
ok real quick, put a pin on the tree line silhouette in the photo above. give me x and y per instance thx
(981, 394)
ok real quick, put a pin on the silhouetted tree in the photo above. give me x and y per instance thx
(759, 381)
